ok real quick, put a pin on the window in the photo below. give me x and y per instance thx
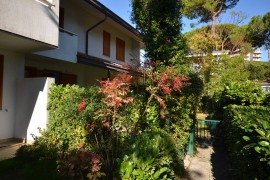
(120, 49)
(106, 43)
(61, 17)
(1, 79)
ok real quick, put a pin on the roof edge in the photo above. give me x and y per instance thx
(100, 7)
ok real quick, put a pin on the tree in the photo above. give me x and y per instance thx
(207, 10)
(159, 22)
(258, 31)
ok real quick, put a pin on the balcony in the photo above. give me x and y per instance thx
(28, 26)
(67, 49)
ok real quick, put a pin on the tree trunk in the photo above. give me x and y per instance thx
(213, 27)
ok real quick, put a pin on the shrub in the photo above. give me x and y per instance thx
(105, 121)
(246, 132)
(243, 93)
(80, 164)
(67, 122)
(36, 151)
(153, 155)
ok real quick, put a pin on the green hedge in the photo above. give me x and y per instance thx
(66, 128)
(247, 137)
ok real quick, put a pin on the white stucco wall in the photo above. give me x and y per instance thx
(30, 19)
(80, 17)
(31, 105)
(13, 70)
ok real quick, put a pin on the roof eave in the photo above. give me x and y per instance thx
(103, 9)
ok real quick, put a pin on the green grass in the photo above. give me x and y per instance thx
(28, 169)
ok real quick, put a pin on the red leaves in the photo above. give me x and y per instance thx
(116, 90)
(82, 105)
(169, 81)
(90, 127)
(78, 163)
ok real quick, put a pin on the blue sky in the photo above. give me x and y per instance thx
(250, 7)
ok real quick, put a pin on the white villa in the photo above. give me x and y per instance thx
(55, 41)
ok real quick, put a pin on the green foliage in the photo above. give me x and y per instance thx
(153, 155)
(229, 37)
(222, 72)
(258, 31)
(66, 128)
(258, 70)
(104, 121)
(243, 93)
(246, 133)
(206, 11)
(37, 151)
(160, 31)
(263, 146)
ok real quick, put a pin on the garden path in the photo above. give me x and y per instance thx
(209, 163)
(8, 149)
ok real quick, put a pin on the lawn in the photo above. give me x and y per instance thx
(28, 169)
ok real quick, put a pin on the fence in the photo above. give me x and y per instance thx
(201, 132)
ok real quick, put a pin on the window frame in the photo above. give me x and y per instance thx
(120, 49)
(106, 44)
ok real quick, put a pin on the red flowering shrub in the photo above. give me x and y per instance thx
(164, 82)
(80, 164)
(169, 81)
(82, 105)
(116, 90)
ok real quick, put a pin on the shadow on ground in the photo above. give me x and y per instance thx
(221, 169)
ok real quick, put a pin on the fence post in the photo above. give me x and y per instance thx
(191, 145)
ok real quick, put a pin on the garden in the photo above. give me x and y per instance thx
(138, 125)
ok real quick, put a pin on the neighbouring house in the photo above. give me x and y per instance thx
(256, 55)
(56, 41)
(266, 87)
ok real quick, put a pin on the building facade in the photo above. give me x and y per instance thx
(256, 55)
(56, 41)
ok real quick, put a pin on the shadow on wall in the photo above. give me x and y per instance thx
(31, 106)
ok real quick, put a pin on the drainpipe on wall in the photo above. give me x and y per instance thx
(88, 30)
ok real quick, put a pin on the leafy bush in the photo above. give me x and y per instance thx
(37, 151)
(243, 93)
(105, 121)
(67, 124)
(80, 164)
(246, 132)
(239, 93)
(153, 155)
(258, 70)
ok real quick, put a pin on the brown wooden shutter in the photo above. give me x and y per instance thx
(120, 49)
(1, 80)
(106, 43)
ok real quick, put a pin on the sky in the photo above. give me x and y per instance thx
(249, 7)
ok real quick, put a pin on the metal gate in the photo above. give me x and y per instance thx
(202, 132)
(205, 129)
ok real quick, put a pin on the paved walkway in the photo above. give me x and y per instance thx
(209, 163)
(8, 149)
(199, 167)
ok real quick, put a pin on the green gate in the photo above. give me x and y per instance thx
(202, 132)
